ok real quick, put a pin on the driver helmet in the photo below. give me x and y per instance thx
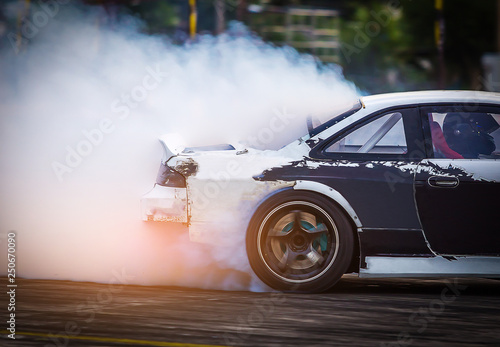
(469, 133)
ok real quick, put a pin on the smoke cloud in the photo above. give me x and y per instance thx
(82, 106)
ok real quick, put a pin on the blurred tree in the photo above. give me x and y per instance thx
(399, 52)
(375, 46)
(387, 45)
(470, 32)
(160, 16)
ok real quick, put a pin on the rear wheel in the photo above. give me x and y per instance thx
(299, 241)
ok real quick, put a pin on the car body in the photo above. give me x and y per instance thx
(400, 185)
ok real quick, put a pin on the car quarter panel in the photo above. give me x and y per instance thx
(222, 192)
(381, 193)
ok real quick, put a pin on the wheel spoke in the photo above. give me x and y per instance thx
(318, 230)
(296, 221)
(289, 258)
(283, 263)
(313, 256)
(278, 233)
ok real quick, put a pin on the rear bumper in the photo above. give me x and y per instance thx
(165, 204)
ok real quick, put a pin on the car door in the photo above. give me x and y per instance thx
(372, 164)
(457, 187)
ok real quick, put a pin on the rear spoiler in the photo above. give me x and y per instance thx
(172, 144)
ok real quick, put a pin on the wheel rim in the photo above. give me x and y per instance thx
(298, 241)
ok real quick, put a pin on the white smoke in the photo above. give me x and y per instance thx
(82, 106)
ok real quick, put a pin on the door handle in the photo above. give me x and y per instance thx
(443, 181)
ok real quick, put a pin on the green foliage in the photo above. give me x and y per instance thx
(402, 55)
(387, 45)
(160, 16)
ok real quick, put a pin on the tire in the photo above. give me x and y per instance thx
(299, 241)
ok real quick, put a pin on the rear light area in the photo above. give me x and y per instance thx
(168, 177)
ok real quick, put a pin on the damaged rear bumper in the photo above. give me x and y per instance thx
(165, 204)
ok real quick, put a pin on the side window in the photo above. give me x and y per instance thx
(385, 135)
(465, 135)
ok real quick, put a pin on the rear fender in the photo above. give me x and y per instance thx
(332, 194)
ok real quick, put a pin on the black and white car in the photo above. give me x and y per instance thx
(399, 185)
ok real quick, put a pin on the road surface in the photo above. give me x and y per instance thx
(357, 312)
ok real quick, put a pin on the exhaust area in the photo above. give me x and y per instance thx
(82, 106)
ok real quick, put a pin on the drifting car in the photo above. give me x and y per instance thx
(398, 185)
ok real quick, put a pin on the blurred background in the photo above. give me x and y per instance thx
(71, 186)
(382, 45)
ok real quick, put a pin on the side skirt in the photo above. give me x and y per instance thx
(431, 267)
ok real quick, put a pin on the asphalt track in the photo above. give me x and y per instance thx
(357, 312)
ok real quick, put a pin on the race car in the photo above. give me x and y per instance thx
(396, 185)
